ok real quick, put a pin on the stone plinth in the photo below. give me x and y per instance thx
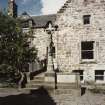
(50, 74)
(68, 78)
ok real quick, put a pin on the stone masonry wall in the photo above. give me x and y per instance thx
(41, 42)
(72, 32)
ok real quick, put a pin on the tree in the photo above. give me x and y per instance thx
(15, 50)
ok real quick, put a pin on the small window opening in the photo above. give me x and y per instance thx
(25, 24)
(86, 19)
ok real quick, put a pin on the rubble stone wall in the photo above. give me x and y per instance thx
(72, 31)
(41, 42)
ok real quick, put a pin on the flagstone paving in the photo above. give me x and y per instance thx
(87, 99)
(58, 99)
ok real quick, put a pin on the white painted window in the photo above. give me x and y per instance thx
(87, 50)
(25, 30)
(25, 24)
(99, 75)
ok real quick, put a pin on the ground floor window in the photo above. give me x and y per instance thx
(80, 73)
(99, 75)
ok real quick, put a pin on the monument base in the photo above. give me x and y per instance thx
(49, 77)
(50, 80)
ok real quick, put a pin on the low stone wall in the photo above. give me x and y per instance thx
(68, 78)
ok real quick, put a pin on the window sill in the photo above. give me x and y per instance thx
(88, 62)
(100, 81)
(87, 26)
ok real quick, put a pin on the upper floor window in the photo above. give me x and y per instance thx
(87, 50)
(86, 19)
(25, 24)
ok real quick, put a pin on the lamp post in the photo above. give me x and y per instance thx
(51, 73)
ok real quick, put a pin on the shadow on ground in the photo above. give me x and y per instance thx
(36, 97)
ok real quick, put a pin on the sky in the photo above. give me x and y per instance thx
(36, 7)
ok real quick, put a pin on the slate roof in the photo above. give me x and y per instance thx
(25, 16)
(41, 21)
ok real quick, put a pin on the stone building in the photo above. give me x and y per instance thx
(12, 8)
(79, 40)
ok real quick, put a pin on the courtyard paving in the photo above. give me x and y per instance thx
(42, 97)
(90, 99)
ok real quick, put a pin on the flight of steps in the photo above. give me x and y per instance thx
(65, 96)
(38, 81)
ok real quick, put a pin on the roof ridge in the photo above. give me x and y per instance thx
(43, 15)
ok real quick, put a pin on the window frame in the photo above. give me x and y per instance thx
(25, 24)
(92, 50)
(99, 77)
(86, 19)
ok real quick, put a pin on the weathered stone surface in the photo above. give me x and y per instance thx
(41, 42)
(71, 32)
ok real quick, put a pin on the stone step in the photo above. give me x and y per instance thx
(64, 7)
(63, 91)
(38, 78)
(67, 85)
(67, 92)
(36, 81)
(60, 11)
(68, 1)
(57, 100)
(37, 85)
(67, 97)
(66, 4)
(40, 75)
